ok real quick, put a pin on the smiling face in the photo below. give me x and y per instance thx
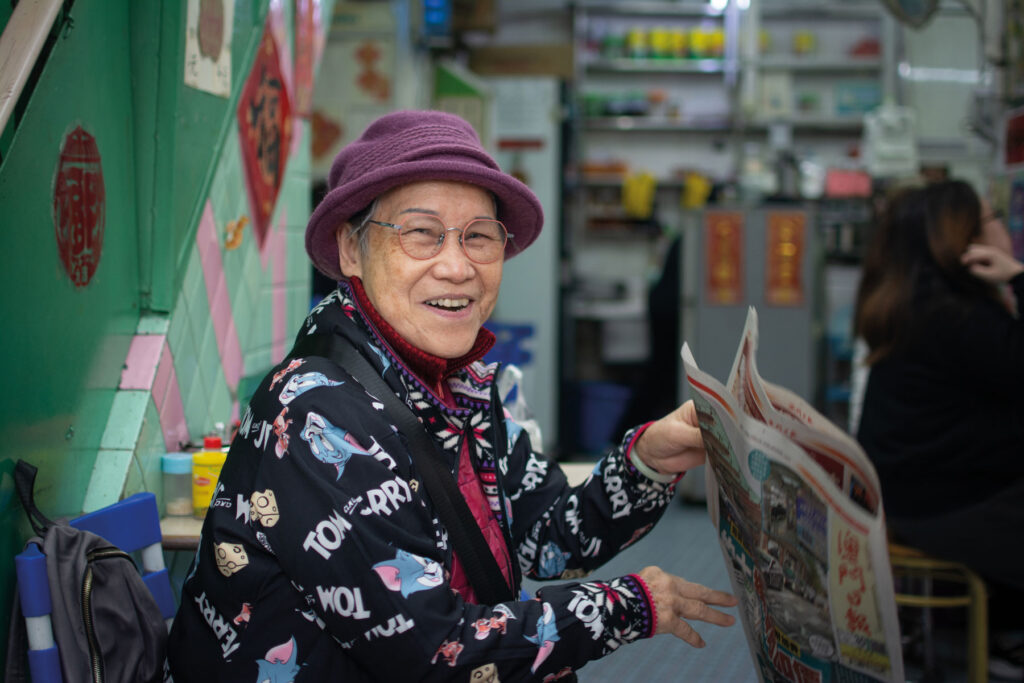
(438, 305)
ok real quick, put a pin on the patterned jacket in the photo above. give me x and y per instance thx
(321, 557)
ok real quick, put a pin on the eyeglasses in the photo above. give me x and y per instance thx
(422, 237)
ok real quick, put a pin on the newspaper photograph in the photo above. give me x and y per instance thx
(798, 510)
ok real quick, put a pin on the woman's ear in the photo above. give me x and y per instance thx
(349, 253)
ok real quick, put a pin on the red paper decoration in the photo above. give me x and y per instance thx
(79, 206)
(265, 130)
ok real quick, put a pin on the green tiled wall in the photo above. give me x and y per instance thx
(251, 287)
(94, 444)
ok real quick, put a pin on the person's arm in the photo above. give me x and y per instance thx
(353, 527)
(563, 532)
(985, 347)
(991, 264)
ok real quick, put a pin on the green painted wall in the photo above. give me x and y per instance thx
(65, 345)
(167, 151)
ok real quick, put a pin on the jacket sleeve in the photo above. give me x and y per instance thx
(562, 532)
(356, 538)
(985, 348)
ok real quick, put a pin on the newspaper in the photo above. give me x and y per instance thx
(798, 509)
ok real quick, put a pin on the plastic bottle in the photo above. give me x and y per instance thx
(177, 479)
(206, 465)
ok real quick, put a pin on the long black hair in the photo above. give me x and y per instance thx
(915, 253)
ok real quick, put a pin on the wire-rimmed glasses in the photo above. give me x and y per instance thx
(422, 236)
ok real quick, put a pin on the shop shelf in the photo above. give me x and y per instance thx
(651, 8)
(833, 124)
(812, 64)
(655, 125)
(830, 10)
(650, 65)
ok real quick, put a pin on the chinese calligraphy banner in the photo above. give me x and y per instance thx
(309, 45)
(785, 258)
(265, 129)
(724, 254)
(797, 506)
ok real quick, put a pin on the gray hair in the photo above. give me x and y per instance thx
(359, 223)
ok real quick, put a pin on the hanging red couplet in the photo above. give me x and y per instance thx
(785, 258)
(265, 130)
(79, 206)
(723, 233)
(307, 53)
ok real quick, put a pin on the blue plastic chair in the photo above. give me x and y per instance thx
(132, 524)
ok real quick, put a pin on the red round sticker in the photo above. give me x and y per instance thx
(79, 206)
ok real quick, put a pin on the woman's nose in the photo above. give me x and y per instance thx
(452, 257)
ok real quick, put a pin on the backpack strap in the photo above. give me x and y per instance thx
(24, 483)
(467, 540)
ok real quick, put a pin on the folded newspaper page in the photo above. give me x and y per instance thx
(798, 509)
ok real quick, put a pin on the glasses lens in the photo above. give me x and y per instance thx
(484, 240)
(421, 235)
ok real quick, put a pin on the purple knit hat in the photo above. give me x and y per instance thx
(410, 146)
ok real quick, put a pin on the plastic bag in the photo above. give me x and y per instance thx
(510, 390)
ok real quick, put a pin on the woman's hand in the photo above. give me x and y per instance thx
(677, 601)
(672, 444)
(991, 263)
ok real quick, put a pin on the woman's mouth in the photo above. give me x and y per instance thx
(449, 304)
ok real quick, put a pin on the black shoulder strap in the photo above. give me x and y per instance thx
(468, 541)
(24, 483)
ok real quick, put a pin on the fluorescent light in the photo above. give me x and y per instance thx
(931, 74)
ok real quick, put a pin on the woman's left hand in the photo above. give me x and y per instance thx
(673, 444)
(991, 264)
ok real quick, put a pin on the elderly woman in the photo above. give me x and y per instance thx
(323, 557)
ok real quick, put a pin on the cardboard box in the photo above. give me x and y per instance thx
(532, 60)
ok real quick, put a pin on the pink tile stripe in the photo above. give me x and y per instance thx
(298, 139)
(140, 365)
(217, 295)
(278, 282)
(170, 407)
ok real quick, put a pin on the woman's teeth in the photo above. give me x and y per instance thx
(449, 304)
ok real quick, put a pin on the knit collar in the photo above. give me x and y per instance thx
(433, 370)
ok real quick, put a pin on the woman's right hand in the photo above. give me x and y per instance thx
(991, 263)
(677, 601)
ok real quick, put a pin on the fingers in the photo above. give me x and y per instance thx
(990, 263)
(684, 436)
(672, 444)
(681, 428)
(679, 601)
(688, 411)
(680, 629)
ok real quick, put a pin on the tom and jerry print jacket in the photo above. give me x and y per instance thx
(321, 556)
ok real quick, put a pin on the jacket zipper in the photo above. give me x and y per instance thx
(95, 656)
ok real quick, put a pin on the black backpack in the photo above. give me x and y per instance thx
(106, 623)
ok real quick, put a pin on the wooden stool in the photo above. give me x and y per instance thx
(908, 562)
